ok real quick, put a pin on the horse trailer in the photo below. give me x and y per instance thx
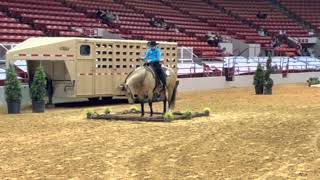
(86, 67)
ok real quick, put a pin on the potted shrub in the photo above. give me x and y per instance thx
(313, 80)
(268, 86)
(268, 81)
(12, 91)
(38, 90)
(258, 79)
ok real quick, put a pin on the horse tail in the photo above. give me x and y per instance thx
(172, 101)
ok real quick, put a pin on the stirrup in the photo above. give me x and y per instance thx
(161, 85)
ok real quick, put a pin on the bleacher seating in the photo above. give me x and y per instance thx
(134, 18)
(220, 22)
(20, 20)
(51, 17)
(274, 22)
(307, 10)
(191, 25)
(12, 31)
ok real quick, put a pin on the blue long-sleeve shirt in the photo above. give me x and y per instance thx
(153, 55)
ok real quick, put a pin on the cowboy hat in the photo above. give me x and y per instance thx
(152, 43)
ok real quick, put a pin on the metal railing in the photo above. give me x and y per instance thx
(23, 76)
(3, 50)
(282, 65)
(185, 54)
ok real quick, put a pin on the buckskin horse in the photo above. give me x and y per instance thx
(141, 85)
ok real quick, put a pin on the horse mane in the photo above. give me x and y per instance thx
(129, 75)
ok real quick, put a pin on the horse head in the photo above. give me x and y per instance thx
(132, 87)
(130, 93)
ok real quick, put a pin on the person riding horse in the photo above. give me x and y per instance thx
(142, 84)
(152, 58)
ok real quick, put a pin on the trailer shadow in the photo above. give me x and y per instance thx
(91, 103)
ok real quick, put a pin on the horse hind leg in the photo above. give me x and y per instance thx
(151, 110)
(169, 94)
(164, 105)
(165, 101)
(150, 99)
(142, 109)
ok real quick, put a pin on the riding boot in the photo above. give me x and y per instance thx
(162, 79)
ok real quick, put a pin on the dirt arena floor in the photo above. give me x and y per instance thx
(246, 137)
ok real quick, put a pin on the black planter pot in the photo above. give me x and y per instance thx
(267, 91)
(13, 107)
(38, 106)
(259, 89)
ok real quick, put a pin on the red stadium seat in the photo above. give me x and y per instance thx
(194, 19)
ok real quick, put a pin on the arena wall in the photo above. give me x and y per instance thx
(192, 84)
(208, 83)
(26, 101)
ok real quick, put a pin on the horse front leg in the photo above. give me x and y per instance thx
(151, 110)
(142, 109)
(167, 98)
(165, 102)
(164, 106)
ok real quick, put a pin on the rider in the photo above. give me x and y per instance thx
(152, 57)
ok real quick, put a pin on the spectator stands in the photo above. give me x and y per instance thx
(220, 22)
(51, 17)
(307, 10)
(134, 16)
(12, 31)
(273, 23)
(191, 20)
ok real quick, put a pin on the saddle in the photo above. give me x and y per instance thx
(159, 85)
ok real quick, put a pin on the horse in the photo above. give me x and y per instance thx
(141, 85)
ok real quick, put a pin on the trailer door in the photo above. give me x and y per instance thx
(85, 70)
